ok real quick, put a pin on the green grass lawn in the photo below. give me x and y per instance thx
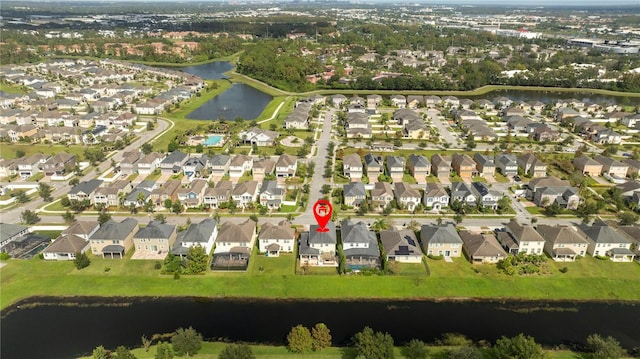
(211, 350)
(586, 279)
(9, 149)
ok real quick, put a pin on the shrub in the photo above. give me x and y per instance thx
(81, 261)
(299, 339)
(435, 258)
(4, 256)
(157, 265)
(564, 269)
(454, 340)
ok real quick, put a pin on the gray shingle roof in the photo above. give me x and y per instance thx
(439, 234)
(156, 230)
(393, 240)
(603, 234)
(86, 186)
(115, 230)
(198, 232)
(354, 189)
(323, 237)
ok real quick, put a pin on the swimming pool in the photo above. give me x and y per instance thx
(212, 140)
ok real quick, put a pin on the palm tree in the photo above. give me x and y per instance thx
(380, 224)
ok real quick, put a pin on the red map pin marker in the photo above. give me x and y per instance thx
(322, 211)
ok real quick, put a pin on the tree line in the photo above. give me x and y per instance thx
(371, 344)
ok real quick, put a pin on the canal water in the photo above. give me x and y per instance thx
(64, 328)
(240, 101)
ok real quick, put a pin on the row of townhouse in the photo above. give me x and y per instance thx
(60, 164)
(601, 165)
(194, 194)
(193, 166)
(420, 167)
(362, 249)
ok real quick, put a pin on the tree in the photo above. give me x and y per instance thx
(416, 349)
(20, 153)
(465, 352)
(627, 218)
(186, 341)
(236, 351)
(321, 336)
(122, 353)
(160, 218)
(29, 217)
(604, 348)
(104, 217)
(146, 148)
(81, 261)
(373, 345)
(164, 351)
(299, 339)
(44, 190)
(518, 347)
(21, 197)
(176, 207)
(380, 224)
(101, 353)
(68, 217)
(197, 260)
(74, 182)
(458, 218)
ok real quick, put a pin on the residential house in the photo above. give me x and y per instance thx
(482, 247)
(84, 190)
(168, 191)
(203, 234)
(196, 166)
(604, 241)
(129, 163)
(628, 188)
(374, 166)
(399, 101)
(286, 166)
(10, 232)
(154, 241)
(562, 243)
(607, 136)
(192, 196)
(432, 100)
(174, 162)
(271, 194)
(110, 196)
(462, 192)
(634, 167)
(441, 240)
(274, 239)
(487, 197)
(419, 167)
(415, 101)
(221, 193)
(30, 165)
(484, 165)
(395, 167)
(406, 197)
(245, 193)
(338, 100)
(239, 165)
(149, 163)
(113, 239)
(219, 164)
(452, 101)
(532, 165)
(65, 247)
(401, 246)
(60, 164)
(526, 238)
(136, 198)
(565, 197)
(318, 248)
(381, 195)
(354, 194)
(440, 166)
(236, 238)
(22, 132)
(352, 167)
(506, 164)
(262, 168)
(517, 123)
(359, 245)
(587, 165)
(82, 229)
(259, 137)
(298, 119)
(612, 167)
(435, 197)
(464, 166)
